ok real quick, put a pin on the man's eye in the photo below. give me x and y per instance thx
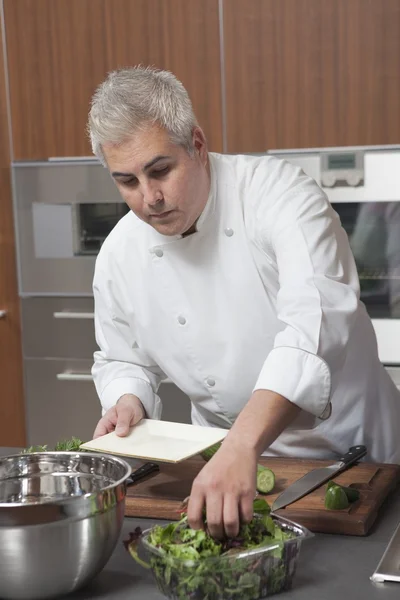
(161, 172)
(130, 182)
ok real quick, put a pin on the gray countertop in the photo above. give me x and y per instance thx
(330, 566)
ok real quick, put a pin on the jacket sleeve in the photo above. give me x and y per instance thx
(318, 295)
(120, 366)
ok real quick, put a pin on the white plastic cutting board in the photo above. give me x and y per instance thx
(161, 441)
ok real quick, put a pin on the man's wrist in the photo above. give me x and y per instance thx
(261, 421)
(236, 443)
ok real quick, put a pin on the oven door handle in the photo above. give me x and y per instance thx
(73, 315)
(69, 376)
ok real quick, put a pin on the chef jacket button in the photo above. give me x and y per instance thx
(211, 382)
(158, 252)
(181, 320)
(229, 232)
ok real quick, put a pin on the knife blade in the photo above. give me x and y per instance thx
(142, 472)
(317, 477)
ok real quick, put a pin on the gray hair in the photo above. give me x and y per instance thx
(133, 98)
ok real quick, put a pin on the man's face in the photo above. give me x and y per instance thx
(160, 182)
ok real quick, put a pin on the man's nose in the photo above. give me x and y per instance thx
(152, 195)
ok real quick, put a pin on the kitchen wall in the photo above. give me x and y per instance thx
(261, 74)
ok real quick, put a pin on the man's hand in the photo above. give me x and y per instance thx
(226, 486)
(127, 412)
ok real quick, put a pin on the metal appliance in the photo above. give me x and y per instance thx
(64, 209)
(363, 185)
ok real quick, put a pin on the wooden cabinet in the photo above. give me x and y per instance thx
(295, 73)
(12, 410)
(60, 50)
(306, 73)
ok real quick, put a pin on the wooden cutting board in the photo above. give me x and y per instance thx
(160, 496)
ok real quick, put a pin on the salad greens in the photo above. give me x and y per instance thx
(189, 564)
(72, 445)
(35, 449)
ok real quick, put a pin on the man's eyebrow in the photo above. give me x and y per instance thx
(145, 168)
(118, 174)
(153, 162)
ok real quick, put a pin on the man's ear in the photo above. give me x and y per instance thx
(200, 143)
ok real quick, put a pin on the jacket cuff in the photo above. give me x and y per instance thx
(301, 377)
(132, 385)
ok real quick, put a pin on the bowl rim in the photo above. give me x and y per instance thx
(67, 499)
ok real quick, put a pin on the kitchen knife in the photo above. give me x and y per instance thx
(142, 472)
(317, 477)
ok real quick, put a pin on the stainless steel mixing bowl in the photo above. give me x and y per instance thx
(60, 518)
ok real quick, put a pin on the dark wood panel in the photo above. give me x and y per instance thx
(12, 408)
(161, 496)
(306, 73)
(60, 50)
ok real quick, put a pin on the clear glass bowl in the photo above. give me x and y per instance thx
(242, 575)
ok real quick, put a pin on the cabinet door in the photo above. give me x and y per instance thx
(12, 418)
(61, 327)
(61, 400)
(60, 50)
(310, 73)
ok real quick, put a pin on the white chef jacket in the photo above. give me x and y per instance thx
(264, 295)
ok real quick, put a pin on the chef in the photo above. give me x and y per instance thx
(231, 276)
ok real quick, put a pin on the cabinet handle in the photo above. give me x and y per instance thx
(74, 376)
(85, 377)
(73, 315)
(2, 314)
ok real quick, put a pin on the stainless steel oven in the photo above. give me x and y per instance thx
(363, 186)
(64, 209)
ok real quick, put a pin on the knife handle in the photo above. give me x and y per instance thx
(354, 454)
(142, 472)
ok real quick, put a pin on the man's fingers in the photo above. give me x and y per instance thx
(120, 418)
(195, 509)
(127, 416)
(214, 509)
(231, 516)
(100, 430)
(246, 508)
(106, 423)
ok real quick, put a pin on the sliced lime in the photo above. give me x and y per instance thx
(335, 498)
(352, 493)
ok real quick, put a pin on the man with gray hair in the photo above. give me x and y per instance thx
(232, 276)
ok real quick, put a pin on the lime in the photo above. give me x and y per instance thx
(335, 498)
(352, 493)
